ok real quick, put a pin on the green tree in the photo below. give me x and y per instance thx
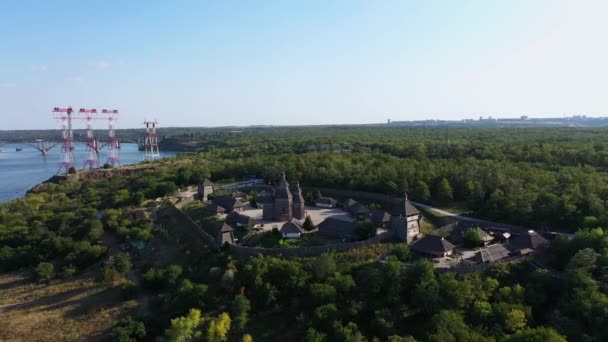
(365, 229)
(308, 225)
(94, 229)
(240, 311)
(472, 238)
(321, 293)
(445, 193)
(540, 334)
(122, 197)
(348, 333)
(68, 271)
(313, 335)
(190, 294)
(128, 290)
(396, 338)
(172, 273)
(421, 191)
(128, 330)
(219, 328)
(185, 328)
(122, 263)
(515, 320)
(45, 271)
(325, 314)
(450, 326)
(324, 266)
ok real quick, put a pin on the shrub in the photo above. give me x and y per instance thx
(129, 290)
(68, 271)
(45, 271)
(128, 329)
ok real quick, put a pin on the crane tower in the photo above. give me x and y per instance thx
(67, 157)
(92, 161)
(113, 145)
(151, 151)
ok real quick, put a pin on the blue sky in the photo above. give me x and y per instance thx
(216, 63)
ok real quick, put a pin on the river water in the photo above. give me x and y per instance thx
(21, 170)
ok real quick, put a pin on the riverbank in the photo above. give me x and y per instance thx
(22, 170)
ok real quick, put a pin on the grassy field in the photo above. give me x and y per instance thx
(64, 310)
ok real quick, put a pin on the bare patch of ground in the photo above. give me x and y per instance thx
(66, 310)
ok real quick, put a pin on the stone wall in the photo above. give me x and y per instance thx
(372, 196)
(244, 251)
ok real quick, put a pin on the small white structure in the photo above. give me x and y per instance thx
(326, 202)
(292, 229)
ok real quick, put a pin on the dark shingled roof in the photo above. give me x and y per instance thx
(349, 202)
(461, 230)
(379, 217)
(292, 226)
(226, 228)
(282, 188)
(215, 208)
(244, 219)
(238, 194)
(528, 240)
(326, 200)
(432, 244)
(229, 203)
(358, 209)
(337, 228)
(404, 207)
(296, 191)
(232, 216)
(491, 253)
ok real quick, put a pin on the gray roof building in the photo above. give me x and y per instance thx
(491, 254)
(215, 208)
(326, 201)
(226, 235)
(530, 240)
(292, 226)
(244, 220)
(404, 208)
(336, 228)
(433, 245)
(229, 203)
(379, 217)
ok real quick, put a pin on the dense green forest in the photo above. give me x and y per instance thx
(543, 178)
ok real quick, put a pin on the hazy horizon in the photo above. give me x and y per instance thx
(217, 64)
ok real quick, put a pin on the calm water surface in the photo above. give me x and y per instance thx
(20, 171)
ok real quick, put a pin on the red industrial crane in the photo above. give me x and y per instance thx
(67, 158)
(113, 146)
